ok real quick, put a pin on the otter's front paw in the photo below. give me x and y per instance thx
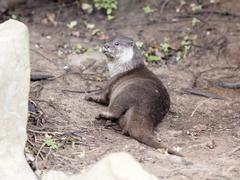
(106, 116)
(102, 115)
(88, 98)
(94, 98)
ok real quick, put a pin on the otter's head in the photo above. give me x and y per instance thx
(120, 48)
(122, 55)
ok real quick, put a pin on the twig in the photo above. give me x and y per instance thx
(33, 148)
(201, 103)
(39, 151)
(45, 57)
(163, 5)
(80, 91)
(39, 77)
(46, 132)
(234, 150)
(202, 93)
(68, 133)
(234, 85)
(30, 142)
(218, 13)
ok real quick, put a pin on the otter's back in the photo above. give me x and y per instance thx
(141, 88)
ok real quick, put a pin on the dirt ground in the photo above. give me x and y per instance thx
(205, 129)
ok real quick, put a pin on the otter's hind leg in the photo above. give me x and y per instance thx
(114, 112)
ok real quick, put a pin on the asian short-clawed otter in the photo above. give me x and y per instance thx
(135, 97)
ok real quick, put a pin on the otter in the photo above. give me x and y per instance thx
(135, 97)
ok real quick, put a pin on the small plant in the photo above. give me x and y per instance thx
(72, 24)
(214, 1)
(195, 21)
(165, 46)
(51, 144)
(152, 58)
(89, 25)
(107, 5)
(147, 9)
(139, 44)
(186, 43)
(79, 49)
(16, 17)
(182, 2)
(196, 7)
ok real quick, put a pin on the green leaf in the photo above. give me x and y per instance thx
(72, 24)
(196, 7)
(89, 25)
(165, 46)
(153, 58)
(186, 43)
(139, 44)
(14, 16)
(78, 46)
(51, 144)
(110, 17)
(147, 9)
(195, 21)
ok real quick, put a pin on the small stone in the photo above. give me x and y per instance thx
(200, 128)
(29, 157)
(211, 144)
(48, 37)
(174, 133)
(66, 68)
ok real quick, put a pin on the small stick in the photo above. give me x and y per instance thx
(234, 150)
(39, 151)
(202, 93)
(199, 106)
(37, 52)
(80, 91)
(229, 85)
(39, 77)
(46, 132)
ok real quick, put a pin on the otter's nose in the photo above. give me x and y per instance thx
(106, 46)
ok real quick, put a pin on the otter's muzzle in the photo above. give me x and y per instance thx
(105, 48)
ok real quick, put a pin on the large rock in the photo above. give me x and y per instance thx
(14, 89)
(116, 166)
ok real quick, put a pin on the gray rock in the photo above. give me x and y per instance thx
(14, 89)
(116, 166)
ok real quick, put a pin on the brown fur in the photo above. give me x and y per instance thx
(139, 101)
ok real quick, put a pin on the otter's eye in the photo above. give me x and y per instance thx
(116, 44)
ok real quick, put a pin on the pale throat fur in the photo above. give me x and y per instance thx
(124, 62)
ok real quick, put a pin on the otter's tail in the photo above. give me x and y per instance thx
(149, 139)
(141, 130)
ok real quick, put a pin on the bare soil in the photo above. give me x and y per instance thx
(205, 129)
